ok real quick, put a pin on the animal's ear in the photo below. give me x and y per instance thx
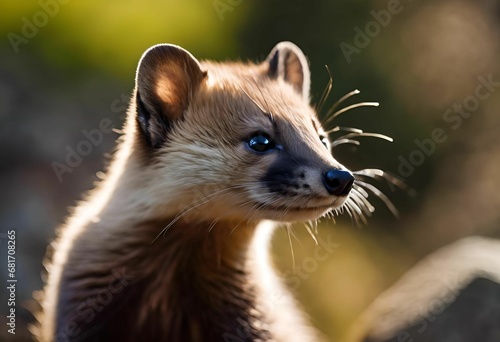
(287, 62)
(166, 79)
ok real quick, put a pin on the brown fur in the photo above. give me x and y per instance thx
(180, 221)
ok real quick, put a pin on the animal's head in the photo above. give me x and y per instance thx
(237, 140)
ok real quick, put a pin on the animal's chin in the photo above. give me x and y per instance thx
(291, 213)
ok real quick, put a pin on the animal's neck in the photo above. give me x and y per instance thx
(197, 280)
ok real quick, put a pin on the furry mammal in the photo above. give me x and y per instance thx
(172, 245)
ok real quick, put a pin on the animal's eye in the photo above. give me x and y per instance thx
(324, 141)
(261, 142)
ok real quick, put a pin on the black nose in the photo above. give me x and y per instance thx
(338, 182)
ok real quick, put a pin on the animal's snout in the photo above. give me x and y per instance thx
(338, 182)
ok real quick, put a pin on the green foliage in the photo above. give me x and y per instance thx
(112, 35)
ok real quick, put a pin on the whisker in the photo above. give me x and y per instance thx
(345, 141)
(309, 230)
(361, 191)
(316, 225)
(331, 116)
(357, 210)
(331, 214)
(380, 174)
(294, 235)
(346, 129)
(212, 225)
(352, 213)
(366, 134)
(338, 102)
(366, 205)
(361, 215)
(326, 92)
(289, 231)
(234, 228)
(380, 195)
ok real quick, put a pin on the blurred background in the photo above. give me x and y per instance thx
(432, 65)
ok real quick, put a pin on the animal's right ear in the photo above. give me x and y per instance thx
(288, 63)
(166, 80)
